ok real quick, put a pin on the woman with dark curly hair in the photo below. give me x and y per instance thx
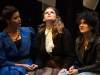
(87, 45)
(54, 44)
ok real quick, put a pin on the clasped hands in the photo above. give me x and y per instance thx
(30, 67)
(72, 71)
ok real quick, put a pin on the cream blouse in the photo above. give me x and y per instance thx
(49, 42)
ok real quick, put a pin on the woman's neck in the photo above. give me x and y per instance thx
(49, 25)
(12, 30)
(14, 33)
(87, 35)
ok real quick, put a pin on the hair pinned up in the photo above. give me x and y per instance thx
(7, 12)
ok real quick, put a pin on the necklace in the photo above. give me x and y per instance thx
(86, 43)
(18, 34)
(85, 47)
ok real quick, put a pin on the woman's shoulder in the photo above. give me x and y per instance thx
(27, 29)
(65, 31)
(80, 39)
(1, 34)
(98, 40)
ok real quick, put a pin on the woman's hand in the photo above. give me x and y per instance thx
(26, 66)
(74, 72)
(34, 66)
(63, 70)
(71, 69)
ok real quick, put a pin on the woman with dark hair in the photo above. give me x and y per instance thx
(87, 45)
(15, 44)
(54, 44)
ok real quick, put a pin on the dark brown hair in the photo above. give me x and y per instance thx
(7, 12)
(91, 18)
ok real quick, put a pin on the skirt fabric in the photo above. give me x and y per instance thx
(12, 70)
(44, 71)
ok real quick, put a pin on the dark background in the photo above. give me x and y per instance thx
(31, 13)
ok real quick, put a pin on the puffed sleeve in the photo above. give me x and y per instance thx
(33, 36)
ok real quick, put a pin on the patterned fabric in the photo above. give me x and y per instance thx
(45, 71)
(83, 73)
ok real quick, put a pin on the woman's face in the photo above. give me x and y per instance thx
(15, 20)
(49, 14)
(84, 27)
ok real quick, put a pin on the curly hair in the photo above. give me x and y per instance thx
(91, 18)
(57, 27)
